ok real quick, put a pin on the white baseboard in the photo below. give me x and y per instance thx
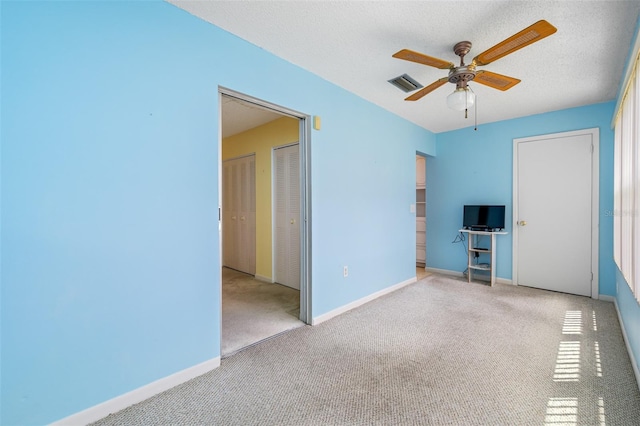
(263, 278)
(334, 313)
(444, 271)
(461, 275)
(634, 364)
(123, 401)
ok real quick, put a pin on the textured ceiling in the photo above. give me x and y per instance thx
(239, 116)
(350, 43)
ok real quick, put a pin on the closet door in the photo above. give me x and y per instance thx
(286, 183)
(229, 214)
(239, 214)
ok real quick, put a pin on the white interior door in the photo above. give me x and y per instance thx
(286, 175)
(554, 212)
(239, 214)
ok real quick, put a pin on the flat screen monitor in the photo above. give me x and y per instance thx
(482, 217)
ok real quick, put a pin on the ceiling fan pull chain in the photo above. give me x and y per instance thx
(466, 98)
(475, 118)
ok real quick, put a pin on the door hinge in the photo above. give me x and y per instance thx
(592, 277)
(592, 148)
(219, 215)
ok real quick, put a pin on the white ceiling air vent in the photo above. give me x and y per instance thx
(405, 83)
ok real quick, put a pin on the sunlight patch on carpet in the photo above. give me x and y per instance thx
(572, 323)
(567, 367)
(562, 412)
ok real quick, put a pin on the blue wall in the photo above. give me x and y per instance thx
(110, 261)
(475, 167)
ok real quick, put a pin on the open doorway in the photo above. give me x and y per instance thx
(421, 216)
(256, 305)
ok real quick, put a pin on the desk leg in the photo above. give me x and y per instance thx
(493, 259)
(469, 253)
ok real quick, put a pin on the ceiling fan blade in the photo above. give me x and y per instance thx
(424, 91)
(410, 55)
(497, 81)
(535, 32)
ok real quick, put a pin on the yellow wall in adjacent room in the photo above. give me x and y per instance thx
(260, 141)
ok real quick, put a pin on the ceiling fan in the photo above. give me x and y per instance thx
(460, 75)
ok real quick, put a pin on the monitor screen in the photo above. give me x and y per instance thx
(483, 217)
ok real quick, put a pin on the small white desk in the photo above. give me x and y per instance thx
(472, 249)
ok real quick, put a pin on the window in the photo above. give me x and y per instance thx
(626, 213)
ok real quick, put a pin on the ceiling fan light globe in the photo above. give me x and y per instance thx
(461, 99)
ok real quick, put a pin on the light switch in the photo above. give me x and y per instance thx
(316, 122)
(412, 208)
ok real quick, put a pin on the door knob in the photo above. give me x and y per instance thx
(233, 218)
(522, 223)
(242, 218)
(293, 221)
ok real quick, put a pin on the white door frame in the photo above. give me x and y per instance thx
(595, 201)
(304, 141)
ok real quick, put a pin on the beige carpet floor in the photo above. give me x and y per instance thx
(253, 310)
(437, 352)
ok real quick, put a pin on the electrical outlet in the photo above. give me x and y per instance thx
(345, 271)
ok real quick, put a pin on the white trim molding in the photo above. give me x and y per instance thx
(444, 271)
(264, 278)
(135, 396)
(462, 275)
(634, 364)
(335, 312)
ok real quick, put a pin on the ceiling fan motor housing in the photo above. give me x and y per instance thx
(461, 49)
(463, 74)
(460, 76)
